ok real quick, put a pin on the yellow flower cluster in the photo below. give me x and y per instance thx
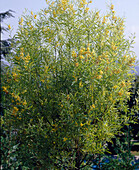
(104, 20)
(27, 58)
(21, 54)
(17, 58)
(64, 139)
(82, 3)
(131, 61)
(112, 7)
(15, 76)
(114, 18)
(86, 9)
(24, 103)
(74, 54)
(5, 89)
(99, 76)
(15, 110)
(76, 64)
(21, 21)
(54, 13)
(123, 83)
(35, 16)
(115, 87)
(93, 106)
(17, 98)
(120, 93)
(81, 57)
(63, 5)
(43, 80)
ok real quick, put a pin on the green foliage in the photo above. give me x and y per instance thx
(9, 152)
(124, 160)
(68, 82)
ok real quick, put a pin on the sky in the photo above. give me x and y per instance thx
(123, 8)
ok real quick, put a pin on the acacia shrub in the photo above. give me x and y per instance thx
(68, 82)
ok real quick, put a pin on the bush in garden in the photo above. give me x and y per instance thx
(67, 83)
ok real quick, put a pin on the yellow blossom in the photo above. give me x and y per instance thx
(93, 106)
(112, 7)
(54, 13)
(101, 72)
(81, 124)
(15, 109)
(74, 54)
(115, 87)
(5, 89)
(81, 51)
(9, 26)
(27, 58)
(114, 47)
(76, 64)
(81, 57)
(120, 93)
(31, 13)
(97, 14)
(88, 49)
(21, 19)
(35, 16)
(84, 2)
(99, 76)
(121, 28)
(86, 9)
(28, 23)
(17, 98)
(21, 54)
(104, 20)
(123, 83)
(64, 139)
(17, 58)
(80, 84)
(25, 103)
(114, 17)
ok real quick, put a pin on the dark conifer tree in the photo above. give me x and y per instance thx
(4, 44)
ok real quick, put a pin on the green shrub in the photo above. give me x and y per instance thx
(67, 83)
